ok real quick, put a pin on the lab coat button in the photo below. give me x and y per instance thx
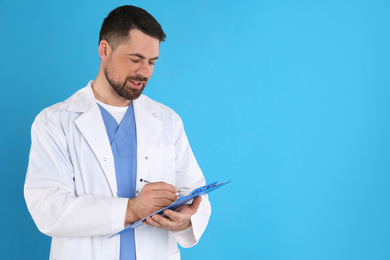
(146, 157)
(136, 191)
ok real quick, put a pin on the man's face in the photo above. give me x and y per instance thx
(131, 64)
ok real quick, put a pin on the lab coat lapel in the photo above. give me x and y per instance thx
(91, 126)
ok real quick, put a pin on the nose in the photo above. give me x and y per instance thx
(144, 70)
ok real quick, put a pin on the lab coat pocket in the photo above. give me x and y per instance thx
(162, 164)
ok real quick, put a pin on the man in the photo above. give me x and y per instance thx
(90, 153)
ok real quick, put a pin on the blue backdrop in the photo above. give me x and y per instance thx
(289, 99)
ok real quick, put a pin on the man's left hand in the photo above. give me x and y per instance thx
(176, 220)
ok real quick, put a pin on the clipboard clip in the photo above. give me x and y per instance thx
(201, 189)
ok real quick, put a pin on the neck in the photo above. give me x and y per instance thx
(103, 92)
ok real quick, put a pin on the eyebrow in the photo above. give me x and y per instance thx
(140, 56)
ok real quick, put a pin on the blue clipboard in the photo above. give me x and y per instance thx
(179, 202)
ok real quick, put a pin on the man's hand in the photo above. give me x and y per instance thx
(176, 220)
(153, 197)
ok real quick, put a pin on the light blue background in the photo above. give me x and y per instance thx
(289, 99)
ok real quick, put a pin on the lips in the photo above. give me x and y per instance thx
(136, 84)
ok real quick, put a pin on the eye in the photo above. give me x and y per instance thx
(152, 63)
(135, 61)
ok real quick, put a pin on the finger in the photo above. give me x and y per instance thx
(190, 208)
(152, 222)
(161, 186)
(176, 221)
(164, 194)
(176, 216)
(196, 203)
(161, 203)
(162, 222)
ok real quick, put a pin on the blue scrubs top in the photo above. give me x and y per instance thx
(123, 140)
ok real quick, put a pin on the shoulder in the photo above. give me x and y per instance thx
(56, 112)
(50, 112)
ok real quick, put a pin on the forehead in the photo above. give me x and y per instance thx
(140, 43)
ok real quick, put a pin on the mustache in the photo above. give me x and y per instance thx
(137, 78)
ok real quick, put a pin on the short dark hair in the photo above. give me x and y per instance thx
(117, 25)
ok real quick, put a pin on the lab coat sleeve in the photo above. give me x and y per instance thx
(50, 193)
(189, 177)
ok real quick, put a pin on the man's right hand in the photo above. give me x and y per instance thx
(153, 197)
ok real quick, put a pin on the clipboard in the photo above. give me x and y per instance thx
(179, 202)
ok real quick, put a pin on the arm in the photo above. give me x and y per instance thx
(50, 191)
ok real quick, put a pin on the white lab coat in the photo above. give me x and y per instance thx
(71, 189)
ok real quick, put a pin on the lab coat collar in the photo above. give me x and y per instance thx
(83, 100)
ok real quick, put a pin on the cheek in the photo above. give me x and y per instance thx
(124, 71)
(123, 68)
(112, 68)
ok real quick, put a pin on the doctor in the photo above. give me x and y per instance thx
(89, 153)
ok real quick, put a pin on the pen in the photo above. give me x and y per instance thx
(142, 180)
(177, 194)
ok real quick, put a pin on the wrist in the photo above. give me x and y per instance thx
(131, 216)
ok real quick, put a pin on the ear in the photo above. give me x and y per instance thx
(104, 50)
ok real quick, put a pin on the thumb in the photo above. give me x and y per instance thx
(195, 203)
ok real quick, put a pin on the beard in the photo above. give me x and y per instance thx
(122, 89)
